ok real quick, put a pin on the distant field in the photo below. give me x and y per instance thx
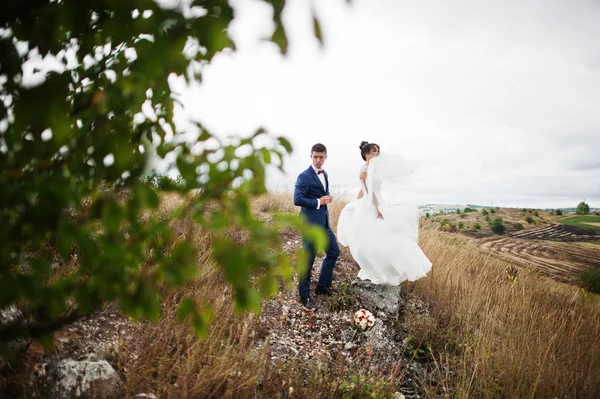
(553, 245)
(585, 222)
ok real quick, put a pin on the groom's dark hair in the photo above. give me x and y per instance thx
(319, 148)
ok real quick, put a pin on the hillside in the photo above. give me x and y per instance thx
(476, 326)
(552, 245)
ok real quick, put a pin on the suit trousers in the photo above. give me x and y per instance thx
(326, 275)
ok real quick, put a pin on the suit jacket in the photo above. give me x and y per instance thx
(306, 194)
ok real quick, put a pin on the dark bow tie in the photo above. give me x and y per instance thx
(321, 171)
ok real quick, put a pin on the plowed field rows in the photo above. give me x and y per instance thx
(548, 250)
(559, 232)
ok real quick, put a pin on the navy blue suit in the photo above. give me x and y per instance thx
(307, 192)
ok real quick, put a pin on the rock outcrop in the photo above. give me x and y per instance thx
(89, 377)
(10, 351)
(382, 300)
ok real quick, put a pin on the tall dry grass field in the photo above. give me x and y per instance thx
(169, 360)
(172, 362)
(496, 337)
(488, 336)
(531, 337)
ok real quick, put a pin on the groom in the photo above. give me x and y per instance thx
(311, 194)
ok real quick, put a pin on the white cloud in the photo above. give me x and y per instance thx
(497, 101)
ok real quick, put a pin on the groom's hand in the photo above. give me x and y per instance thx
(324, 200)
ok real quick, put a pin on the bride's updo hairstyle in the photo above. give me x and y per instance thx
(365, 147)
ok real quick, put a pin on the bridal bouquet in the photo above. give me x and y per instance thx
(364, 319)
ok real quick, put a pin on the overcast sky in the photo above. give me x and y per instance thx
(498, 102)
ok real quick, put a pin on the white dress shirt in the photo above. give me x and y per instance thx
(323, 182)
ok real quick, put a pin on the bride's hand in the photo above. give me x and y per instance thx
(379, 215)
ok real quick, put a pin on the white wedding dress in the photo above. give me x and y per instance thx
(385, 249)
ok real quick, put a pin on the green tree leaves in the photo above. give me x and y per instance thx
(79, 223)
(582, 208)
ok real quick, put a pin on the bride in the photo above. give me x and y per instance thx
(382, 238)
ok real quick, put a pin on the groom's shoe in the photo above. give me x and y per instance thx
(308, 304)
(324, 291)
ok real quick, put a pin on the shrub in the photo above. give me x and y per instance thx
(582, 208)
(457, 211)
(536, 213)
(164, 182)
(590, 279)
(476, 226)
(462, 216)
(559, 212)
(344, 299)
(492, 210)
(461, 225)
(529, 220)
(447, 225)
(427, 215)
(518, 226)
(497, 225)
(484, 212)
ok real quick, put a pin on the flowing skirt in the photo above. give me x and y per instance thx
(385, 249)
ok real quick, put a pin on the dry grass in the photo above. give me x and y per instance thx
(275, 202)
(489, 337)
(532, 337)
(172, 362)
(227, 364)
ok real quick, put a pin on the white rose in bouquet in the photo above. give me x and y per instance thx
(364, 319)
